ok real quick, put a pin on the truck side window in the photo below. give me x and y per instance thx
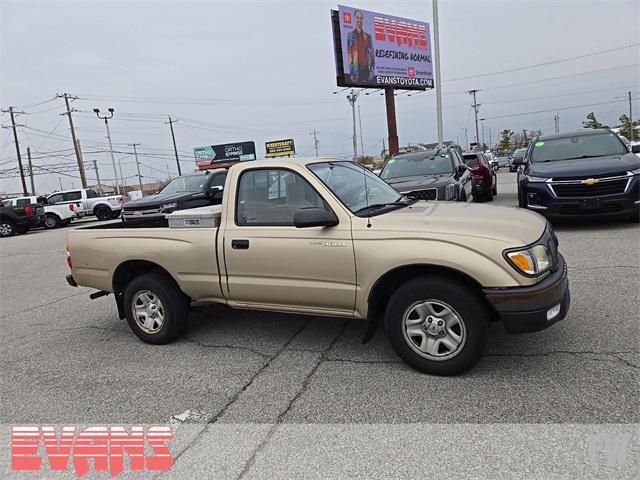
(91, 194)
(23, 202)
(218, 180)
(53, 199)
(72, 196)
(272, 197)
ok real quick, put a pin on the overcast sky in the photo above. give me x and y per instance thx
(264, 70)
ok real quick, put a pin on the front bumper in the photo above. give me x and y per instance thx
(534, 308)
(540, 198)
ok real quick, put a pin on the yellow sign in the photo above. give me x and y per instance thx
(280, 148)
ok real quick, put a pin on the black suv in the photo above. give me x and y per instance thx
(429, 175)
(19, 219)
(187, 191)
(589, 173)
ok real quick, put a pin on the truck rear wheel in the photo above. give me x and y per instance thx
(52, 221)
(103, 213)
(437, 326)
(7, 228)
(157, 311)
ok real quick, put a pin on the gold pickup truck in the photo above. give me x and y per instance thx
(327, 237)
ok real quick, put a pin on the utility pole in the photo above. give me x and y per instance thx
(135, 154)
(60, 180)
(556, 123)
(361, 140)
(482, 127)
(436, 48)
(476, 109)
(124, 183)
(95, 167)
(466, 140)
(175, 149)
(633, 133)
(384, 147)
(66, 97)
(113, 159)
(490, 139)
(79, 150)
(33, 187)
(524, 138)
(315, 141)
(15, 138)
(351, 98)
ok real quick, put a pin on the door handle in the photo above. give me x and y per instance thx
(240, 244)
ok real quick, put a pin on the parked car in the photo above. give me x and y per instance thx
(485, 180)
(589, 173)
(20, 219)
(88, 202)
(188, 191)
(429, 175)
(503, 162)
(517, 156)
(331, 239)
(54, 215)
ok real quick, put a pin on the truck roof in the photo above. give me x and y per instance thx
(283, 162)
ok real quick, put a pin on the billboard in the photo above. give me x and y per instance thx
(209, 155)
(280, 148)
(378, 50)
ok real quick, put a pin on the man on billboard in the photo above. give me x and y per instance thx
(361, 56)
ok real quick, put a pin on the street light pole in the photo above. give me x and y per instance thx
(436, 49)
(113, 159)
(476, 109)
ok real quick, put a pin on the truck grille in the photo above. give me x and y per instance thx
(428, 194)
(141, 212)
(579, 189)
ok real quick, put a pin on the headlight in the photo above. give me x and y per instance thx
(531, 261)
(535, 179)
(449, 192)
(169, 206)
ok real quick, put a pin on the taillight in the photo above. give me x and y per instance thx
(120, 199)
(72, 207)
(69, 262)
(28, 211)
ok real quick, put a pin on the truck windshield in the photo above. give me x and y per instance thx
(577, 146)
(347, 182)
(192, 183)
(429, 164)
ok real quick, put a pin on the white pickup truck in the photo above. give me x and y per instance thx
(55, 215)
(88, 202)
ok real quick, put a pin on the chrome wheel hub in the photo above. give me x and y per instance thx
(148, 311)
(5, 229)
(434, 329)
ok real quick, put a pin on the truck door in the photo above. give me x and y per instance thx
(271, 262)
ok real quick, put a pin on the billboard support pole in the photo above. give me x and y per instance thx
(436, 51)
(391, 120)
(352, 100)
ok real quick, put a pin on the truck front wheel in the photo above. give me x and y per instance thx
(437, 325)
(157, 311)
(103, 213)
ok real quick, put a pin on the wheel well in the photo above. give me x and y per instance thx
(52, 214)
(390, 281)
(99, 206)
(127, 271)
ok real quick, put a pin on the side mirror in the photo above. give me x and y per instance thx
(462, 168)
(635, 148)
(314, 217)
(518, 161)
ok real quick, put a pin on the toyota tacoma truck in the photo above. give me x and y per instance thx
(327, 237)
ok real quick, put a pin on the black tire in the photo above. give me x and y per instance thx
(51, 221)
(495, 188)
(103, 213)
(469, 309)
(7, 228)
(173, 306)
(66, 223)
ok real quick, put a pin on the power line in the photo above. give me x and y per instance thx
(554, 109)
(551, 62)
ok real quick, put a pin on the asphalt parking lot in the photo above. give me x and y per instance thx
(256, 394)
